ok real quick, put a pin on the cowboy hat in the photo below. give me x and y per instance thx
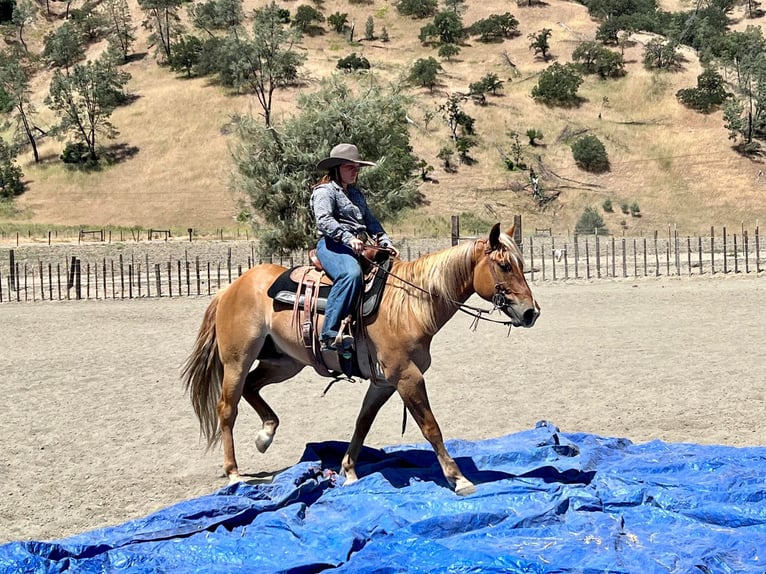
(343, 153)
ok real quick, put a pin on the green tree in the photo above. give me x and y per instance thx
(591, 223)
(661, 54)
(338, 21)
(122, 32)
(216, 15)
(369, 29)
(424, 72)
(276, 168)
(533, 134)
(14, 82)
(446, 28)
(352, 62)
(23, 13)
(265, 61)
(594, 58)
(417, 8)
(64, 46)
(459, 122)
(489, 83)
(590, 154)
(11, 175)
(307, 19)
(163, 21)
(709, 94)
(448, 51)
(84, 100)
(495, 28)
(91, 23)
(558, 85)
(540, 42)
(187, 54)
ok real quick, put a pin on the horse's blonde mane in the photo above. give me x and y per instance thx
(444, 277)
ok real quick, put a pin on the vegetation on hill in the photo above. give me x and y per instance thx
(673, 98)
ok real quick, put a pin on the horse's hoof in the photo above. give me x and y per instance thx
(263, 440)
(464, 487)
(234, 478)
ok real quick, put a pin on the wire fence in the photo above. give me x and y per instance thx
(97, 270)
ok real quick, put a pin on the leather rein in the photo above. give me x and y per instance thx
(499, 300)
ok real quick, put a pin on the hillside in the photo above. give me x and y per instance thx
(678, 165)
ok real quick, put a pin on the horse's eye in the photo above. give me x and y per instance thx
(506, 267)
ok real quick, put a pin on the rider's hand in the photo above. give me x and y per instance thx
(393, 251)
(357, 245)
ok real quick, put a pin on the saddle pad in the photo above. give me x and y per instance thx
(284, 288)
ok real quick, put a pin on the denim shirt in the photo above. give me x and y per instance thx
(342, 217)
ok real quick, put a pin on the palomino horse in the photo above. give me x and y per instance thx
(242, 326)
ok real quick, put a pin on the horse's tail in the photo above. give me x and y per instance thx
(202, 374)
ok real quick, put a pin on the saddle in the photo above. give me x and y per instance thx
(305, 288)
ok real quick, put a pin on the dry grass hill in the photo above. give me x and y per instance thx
(678, 165)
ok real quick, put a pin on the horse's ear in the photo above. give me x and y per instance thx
(494, 237)
(511, 231)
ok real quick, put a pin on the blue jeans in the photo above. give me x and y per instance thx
(343, 268)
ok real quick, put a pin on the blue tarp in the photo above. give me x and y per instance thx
(546, 501)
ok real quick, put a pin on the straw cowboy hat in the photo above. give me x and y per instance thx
(343, 153)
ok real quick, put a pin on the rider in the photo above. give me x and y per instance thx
(343, 221)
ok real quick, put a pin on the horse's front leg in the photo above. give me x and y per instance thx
(412, 389)
(374, 399)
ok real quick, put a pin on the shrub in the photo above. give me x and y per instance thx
(709, 94)
(75, 153)
(607, 205)
(635, 211)
(10, 173)
(589, 154)
(624, 207)
(558, 85)
(417, 8)
(590, 222)
(353, 62)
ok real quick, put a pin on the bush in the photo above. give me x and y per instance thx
(709, 94)
(589, 154)
(10, 173)
(75, 153)
(635, 211)
(417, 8)
(558, 85)
(590, 223)
(624, 207)
(353, 62)
(607, 205)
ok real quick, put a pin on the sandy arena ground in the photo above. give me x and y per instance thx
(95, 427)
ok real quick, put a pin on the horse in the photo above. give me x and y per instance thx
(243, 327)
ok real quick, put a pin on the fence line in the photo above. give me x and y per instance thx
(548, 259)
(594, 257)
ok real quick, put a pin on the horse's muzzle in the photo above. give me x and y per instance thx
(521, 314)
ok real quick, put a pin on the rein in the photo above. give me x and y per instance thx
(477, 313)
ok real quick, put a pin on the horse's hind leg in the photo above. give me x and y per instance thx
(374, 399)
(266, 373)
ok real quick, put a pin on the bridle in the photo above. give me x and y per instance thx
(499, 300)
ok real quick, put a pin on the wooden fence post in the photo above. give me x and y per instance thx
(454, 229)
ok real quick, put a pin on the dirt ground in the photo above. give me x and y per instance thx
(96, 430)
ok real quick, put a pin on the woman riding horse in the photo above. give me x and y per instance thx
(243, 326)
(343, 218)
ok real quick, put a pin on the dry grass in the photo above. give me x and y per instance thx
(678, 165)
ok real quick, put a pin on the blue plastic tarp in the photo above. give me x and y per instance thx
(546, 502)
